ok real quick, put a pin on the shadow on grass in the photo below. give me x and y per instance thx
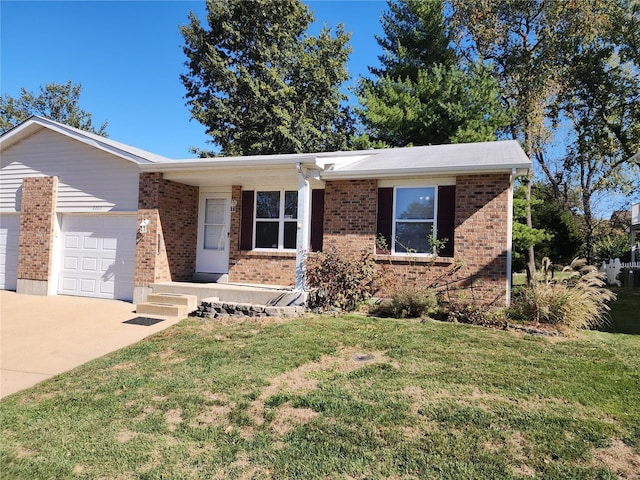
(625, 312)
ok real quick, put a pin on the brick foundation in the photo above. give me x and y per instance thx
(37, 227)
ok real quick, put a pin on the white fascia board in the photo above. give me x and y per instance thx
(230, 163)
(412, 172)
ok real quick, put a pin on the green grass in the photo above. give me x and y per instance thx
(335, 397)
(625, 312)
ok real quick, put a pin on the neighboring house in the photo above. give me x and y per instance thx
(84, 215)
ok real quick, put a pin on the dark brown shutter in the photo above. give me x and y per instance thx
(384, 223)
(446, 218)
(246, 220)
(317, 219)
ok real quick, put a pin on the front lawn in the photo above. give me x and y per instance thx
(335, 397)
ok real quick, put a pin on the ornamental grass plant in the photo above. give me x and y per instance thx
(579, 301)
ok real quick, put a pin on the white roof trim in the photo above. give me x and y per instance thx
(35, 123)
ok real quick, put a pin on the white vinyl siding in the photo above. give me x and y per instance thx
(9, 233)
(89, 180)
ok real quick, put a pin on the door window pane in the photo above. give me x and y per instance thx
(214, 237)
(214, 211)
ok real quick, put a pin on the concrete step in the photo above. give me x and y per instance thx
(190, 301)
(164, 309)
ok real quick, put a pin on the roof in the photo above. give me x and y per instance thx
(483, 157)
(498, 156)
(35, 124)
(434, 159)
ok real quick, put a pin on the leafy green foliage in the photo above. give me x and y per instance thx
(340, 281)
(524, 236)
(570, 72)
(579, 302)
(58, 102)
(260, 84)
(422, 95)
(565, 238)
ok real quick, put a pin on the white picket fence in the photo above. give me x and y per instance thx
(612, 269)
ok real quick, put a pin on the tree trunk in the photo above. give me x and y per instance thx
(531, 259)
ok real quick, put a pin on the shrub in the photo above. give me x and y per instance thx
(407, 301)
(578, 302)
(475, 315)
(340, 281)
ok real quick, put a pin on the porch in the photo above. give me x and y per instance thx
(182, 298)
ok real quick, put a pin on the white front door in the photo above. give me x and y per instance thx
(213, 233)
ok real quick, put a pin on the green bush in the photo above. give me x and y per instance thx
(340, 281)
(407, 301)
(578, 302)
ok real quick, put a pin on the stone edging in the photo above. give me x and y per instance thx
(214, 309)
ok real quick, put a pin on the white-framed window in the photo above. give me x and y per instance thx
(276, 220)
(414, 220)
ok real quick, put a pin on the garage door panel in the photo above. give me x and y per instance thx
(89, 243)
(105, 256)
(89, 264)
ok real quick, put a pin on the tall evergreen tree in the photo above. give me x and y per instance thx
(422, 94)
(261, 84)
(57, 101)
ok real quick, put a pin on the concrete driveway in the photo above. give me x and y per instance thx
(43, 336)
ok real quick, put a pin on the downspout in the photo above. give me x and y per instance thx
(510, 236)
(303, 227)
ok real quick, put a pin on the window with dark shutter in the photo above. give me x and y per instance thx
(384, 224)
(246, 220)
(446, 218)
(317, 219)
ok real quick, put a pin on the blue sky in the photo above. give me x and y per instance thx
(127, 56)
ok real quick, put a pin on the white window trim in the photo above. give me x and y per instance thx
(434, 221)
(280, 220)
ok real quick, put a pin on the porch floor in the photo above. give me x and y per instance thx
(237, 293)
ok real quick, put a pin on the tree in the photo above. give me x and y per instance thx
(525, 237)
(58, 102)
(260, 84)
(562, 225)
(421, 95)
(563, 67)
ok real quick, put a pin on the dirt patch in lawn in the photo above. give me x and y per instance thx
(173, 419)
(620, 458)
(302, 380)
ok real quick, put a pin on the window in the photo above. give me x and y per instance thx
(276, 220)
(414, 215)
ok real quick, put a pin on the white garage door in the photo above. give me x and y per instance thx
(9, 233)
(98, 256)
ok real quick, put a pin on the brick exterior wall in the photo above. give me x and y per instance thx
(482, 207)
(277, 268)
(350, 215)
(37, 226)
(167, 252)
